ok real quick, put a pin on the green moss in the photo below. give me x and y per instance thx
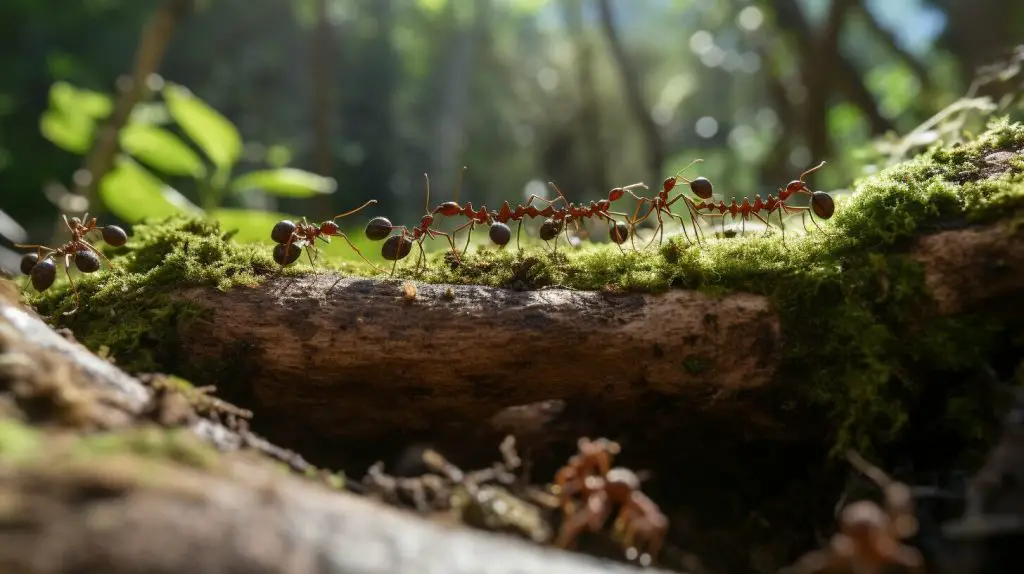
(130, 308)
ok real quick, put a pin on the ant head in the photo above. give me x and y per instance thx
(329, 228)
(668, 184)
(616, 194)
(448, 209)
(75, 222)
(822, 204)
(796, 186)
(428, 220)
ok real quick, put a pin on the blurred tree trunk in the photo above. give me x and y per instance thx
(634, 95)
(824, 70)
(979, 30)
(366, 89)
(320, 59)
(588, 119)
(459, 63)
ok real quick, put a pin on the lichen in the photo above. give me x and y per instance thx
(860, 337)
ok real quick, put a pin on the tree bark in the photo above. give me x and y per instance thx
(123, 517)
(378, 360)
(466, 352)
(631, 83)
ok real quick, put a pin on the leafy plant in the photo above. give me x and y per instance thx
(133, 192)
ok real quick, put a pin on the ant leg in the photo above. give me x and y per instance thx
(394, 267)
(451, 240)
(358, 252)
(71, 283)
(657, 230)
(309, 255)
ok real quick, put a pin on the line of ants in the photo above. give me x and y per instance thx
(291, 238)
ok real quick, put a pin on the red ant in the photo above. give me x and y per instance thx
(822, 205)
(661, 204)
(42, 269)
(399, 246)
(499, 231)
(291, 238)
(618, 231)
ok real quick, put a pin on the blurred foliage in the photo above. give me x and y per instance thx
(370, 95)
(133, 193)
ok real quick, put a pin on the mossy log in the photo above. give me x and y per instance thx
(909, 278)
(95, 493)
(382, 354)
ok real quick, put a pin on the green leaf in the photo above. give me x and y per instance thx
(211, 131)
(252, 226)
(162, 150)
(133, 194)
(285, 182)
(71, 100)
(70, 132)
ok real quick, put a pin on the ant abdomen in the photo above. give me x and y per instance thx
(28, 262)
(702, 188)
(396, 247)
(550, 229)
(286, 258)
(282, 231)
(822, 204)
(43, 274)
(378, 228)
(619, 232)
(86, 261)
(500, 233)
(114, 236)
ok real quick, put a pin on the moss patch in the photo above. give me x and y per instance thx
(861, 338)
(129, 309)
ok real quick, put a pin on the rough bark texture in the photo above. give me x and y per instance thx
(383, 359)
(466, 352)
(968, 268)
(108, 520)
(125, 513)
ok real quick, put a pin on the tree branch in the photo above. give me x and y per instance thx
(152, 45)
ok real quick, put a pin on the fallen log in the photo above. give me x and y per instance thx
(124, 512)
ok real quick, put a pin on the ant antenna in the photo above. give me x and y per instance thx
(458, 184)
(812, 170)
(559, 192)
(688, 166)
(360, 208)
(426, 208)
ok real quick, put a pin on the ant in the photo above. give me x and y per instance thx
(41, 266)
(291, 238)
(399, 246)
(870, 537)
(497, 220)
(618, 231)
(822, 205)
(661, 204)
